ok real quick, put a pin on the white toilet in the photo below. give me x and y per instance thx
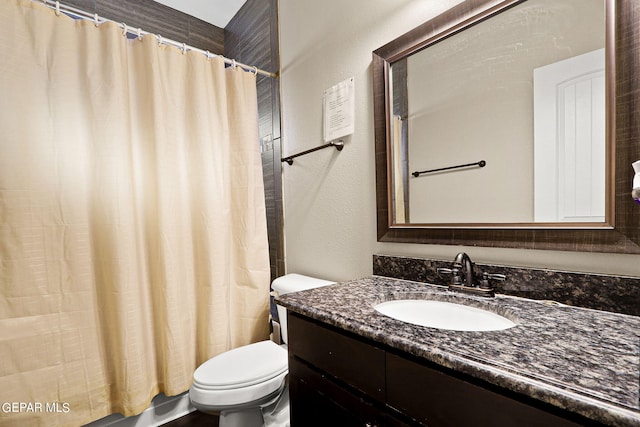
(247, 385)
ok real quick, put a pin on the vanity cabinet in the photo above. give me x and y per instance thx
(340, 379)
(335, 379)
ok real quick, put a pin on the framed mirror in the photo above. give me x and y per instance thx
(508, 124)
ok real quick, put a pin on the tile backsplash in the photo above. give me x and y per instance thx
(617, 294)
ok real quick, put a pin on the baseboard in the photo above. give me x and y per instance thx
(162, 410)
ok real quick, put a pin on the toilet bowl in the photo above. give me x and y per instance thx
(247, 385)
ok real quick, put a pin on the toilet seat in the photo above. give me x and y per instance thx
(241, 375)
(242, 366)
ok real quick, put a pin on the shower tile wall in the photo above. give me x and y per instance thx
(251, 37)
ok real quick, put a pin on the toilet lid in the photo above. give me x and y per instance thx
(243, 366)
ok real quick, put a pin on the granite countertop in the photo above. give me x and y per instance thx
(582, 360)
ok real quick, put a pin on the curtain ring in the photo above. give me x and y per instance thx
(125, 30)
(255, 70)
(139, 34)
(96, 19)
(208, 54)
(184, 48)
(57, 8)
(233, 64)
(159, 37)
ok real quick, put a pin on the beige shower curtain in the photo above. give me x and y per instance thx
(133, 241)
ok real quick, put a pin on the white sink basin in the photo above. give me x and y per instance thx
(443, 315)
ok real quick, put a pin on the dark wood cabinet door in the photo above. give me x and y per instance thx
(350, 360)
(437, 399)
(317, 401)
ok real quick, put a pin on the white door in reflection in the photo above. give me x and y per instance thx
(569, 140)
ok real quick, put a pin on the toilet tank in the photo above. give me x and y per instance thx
(293, 283)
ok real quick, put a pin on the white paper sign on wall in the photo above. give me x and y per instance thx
(339, 110)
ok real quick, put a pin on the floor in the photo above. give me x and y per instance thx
(194, 419)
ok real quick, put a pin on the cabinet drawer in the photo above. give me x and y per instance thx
(348, 359)
(436, 399)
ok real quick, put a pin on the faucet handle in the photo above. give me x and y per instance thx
(484, 283)
(500, 277)
(455, 274)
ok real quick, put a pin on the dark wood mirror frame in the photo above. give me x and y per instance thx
(621, 234)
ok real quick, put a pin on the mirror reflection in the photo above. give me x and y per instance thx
(524, 93)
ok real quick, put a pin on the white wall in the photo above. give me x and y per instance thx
(329, 197)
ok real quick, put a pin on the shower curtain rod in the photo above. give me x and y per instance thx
(78, 13)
